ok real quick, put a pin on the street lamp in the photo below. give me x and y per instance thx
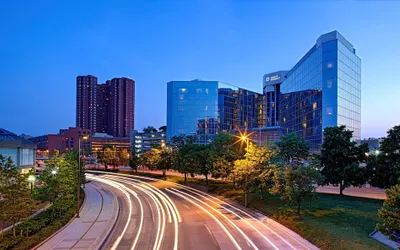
(367, 154)
(31, 179)
(245, 139)
(377, 152)
(53, 172)
(79, 173)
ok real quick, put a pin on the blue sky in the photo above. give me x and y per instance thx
(44, 45)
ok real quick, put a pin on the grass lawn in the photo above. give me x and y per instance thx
(329, 221)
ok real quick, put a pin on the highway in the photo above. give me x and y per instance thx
(156, 214)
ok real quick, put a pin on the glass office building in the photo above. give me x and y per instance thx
(322, 90)
(203, 108)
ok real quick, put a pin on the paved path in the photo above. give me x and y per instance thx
(157, 214)
(364, 192)
(97, 218)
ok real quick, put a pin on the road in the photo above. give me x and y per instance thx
(156, 214)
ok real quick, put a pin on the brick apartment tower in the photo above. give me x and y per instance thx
(86, 89)
(111, 106)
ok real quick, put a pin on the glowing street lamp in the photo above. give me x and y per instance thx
(31, 179)
(79, 173)
(53, 172)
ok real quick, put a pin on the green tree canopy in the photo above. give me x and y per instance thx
(341, 157)
(292, 147)
(385, 167)
(296, 181)
(16, 201)
(149, 129)
(390, 214)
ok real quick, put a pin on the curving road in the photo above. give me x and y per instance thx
(156, 214)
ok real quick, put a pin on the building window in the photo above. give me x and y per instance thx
(329, 83)
(329, 65)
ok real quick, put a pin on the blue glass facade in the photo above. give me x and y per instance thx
(203, 108)
(323, 90)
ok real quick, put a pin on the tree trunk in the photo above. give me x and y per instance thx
(14, 233)
(246, 198)
(262, 193)
(298, 206)
(164, 173)
(206, 179)
(341, 187)
(185, 181)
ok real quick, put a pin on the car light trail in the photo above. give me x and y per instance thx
(211, 215)
(225, 217)
(169, 204)
(235, 214)
(240, 210)
(117, 186)
(160, 212)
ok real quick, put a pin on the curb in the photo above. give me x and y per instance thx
(108, 233)
(62, 228)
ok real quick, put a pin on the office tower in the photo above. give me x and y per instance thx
(106, 108)
(203, 108)
(86, 87)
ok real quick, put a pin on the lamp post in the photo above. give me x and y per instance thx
(367, 154)
(31, 179)
(245, 138)
(79, 174)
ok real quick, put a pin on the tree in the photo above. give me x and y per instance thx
(244, 173)
(185, 160)
(150, 158)
(296, 181)
(341, 157)
(165, 161)
(262, 160)
(134, 162)
(292, 147)
(15, 194)
(149, 129)
(385, 166)
(390, 214)
(201, 156)
(108, 156)
(162, 129)
(223, 151)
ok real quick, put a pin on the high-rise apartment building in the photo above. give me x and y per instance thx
(106, 108)
(86, 89)
(203, 108)
(121, 108)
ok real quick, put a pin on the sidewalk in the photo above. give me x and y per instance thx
(97, 218)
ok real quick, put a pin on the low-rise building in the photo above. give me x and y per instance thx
(20, 150)
(100, 140)
(141, 141)
(65, 141)
(373, 143)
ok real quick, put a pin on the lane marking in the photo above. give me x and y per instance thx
(209, 231)
(211, 215)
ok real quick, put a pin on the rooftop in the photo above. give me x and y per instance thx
(9, 139)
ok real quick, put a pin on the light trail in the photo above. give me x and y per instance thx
(211, 215)
(160, 212)
(117, 186)
(192, 190)
(225, 217)
(237, 215)
(169, 204)
(275, 230)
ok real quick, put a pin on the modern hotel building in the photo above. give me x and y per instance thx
(322, 90)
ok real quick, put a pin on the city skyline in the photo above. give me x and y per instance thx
(41, 99)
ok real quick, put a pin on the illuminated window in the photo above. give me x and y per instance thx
(330, 65)
(182, 90)
(314, 106)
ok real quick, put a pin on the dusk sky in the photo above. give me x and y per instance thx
(44, 45)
